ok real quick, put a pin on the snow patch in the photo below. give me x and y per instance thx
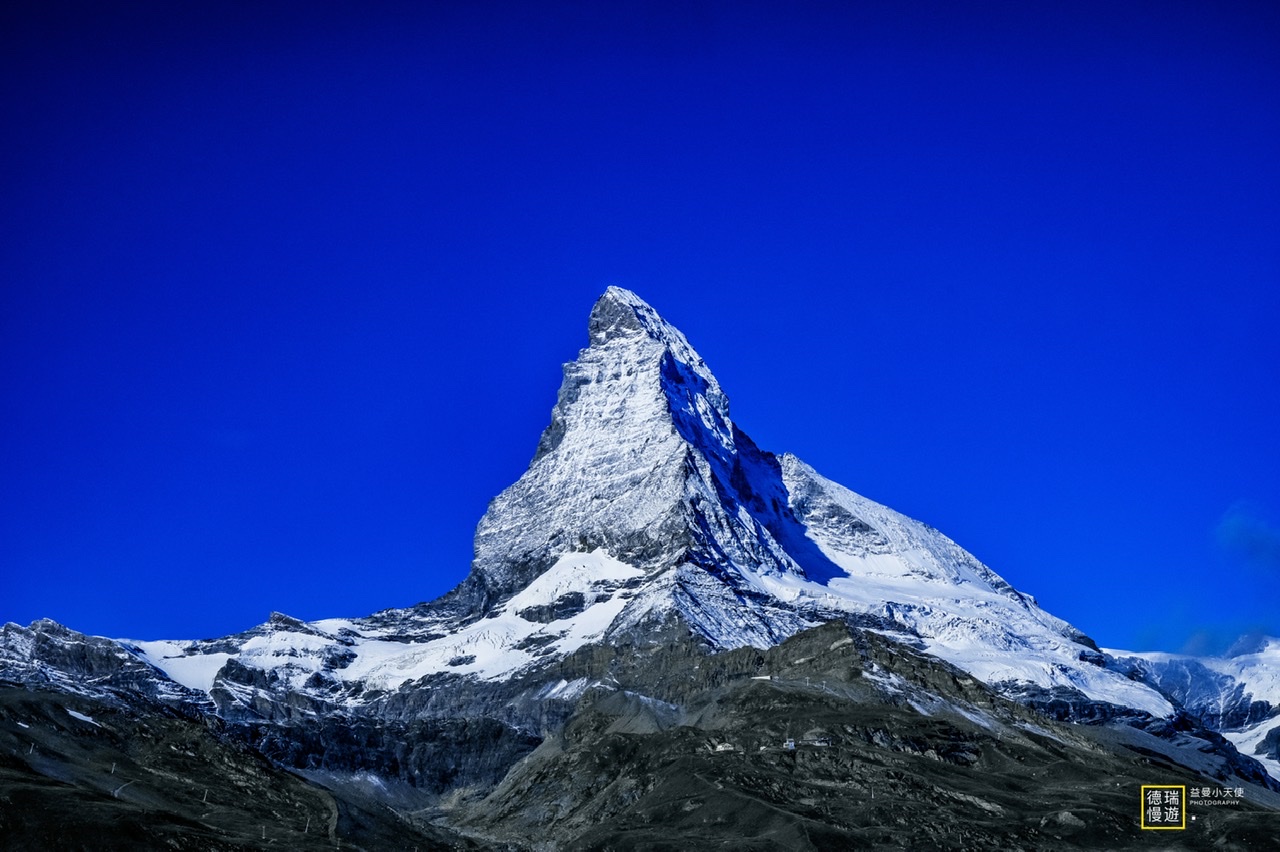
(1248, 740)
(564, 690)
(192, 670)
(496, 647)
(82, 717)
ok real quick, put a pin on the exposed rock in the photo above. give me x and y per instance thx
(654, 608)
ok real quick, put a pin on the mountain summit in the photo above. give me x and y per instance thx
(655, 585)
(635, 410)
(642, 461)
(642, 464)
(646, 512)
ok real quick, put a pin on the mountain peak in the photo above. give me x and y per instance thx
(1255, 642)
(642, 463)
(622, 319)
(621, 314)
(646, 510)
(611, 468)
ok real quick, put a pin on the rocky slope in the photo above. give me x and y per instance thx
(650, 549)
(644, 504)
(83, 773)
(839, 738)
(1237, 694)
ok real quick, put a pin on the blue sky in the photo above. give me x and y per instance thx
(287, 290)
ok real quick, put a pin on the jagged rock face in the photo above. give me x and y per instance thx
(641, 460)
(651, 550)
(644, 504)
(1221, 701)
(1237, 694)
(47, 654)
(889, 749)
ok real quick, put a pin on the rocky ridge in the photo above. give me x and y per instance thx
(649, 537)
(1237, 694)
(644, 502)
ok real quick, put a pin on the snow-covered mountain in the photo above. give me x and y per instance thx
(1237, 694)
(653, 586)
(645, 508)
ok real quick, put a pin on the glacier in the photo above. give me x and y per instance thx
(1237, 694)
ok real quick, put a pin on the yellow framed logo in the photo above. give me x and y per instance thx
(1164, 807)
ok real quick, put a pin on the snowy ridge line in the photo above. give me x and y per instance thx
(645, 502)
(1259, 668)
(1238, 692)
(490, 648)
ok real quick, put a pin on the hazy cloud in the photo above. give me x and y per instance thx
(1245, 532)
(1203, 643)
(1228, 639)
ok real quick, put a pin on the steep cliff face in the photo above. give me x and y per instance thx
(47, 655)
(648, 561)
(1237, 694)
(642, 462)
(840, 738)
(646, 506)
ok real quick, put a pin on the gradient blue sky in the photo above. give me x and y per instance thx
(287, 289)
